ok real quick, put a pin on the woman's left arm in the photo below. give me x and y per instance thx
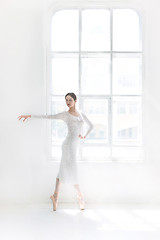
(90, 124)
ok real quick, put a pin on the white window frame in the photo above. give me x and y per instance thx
(86, 5)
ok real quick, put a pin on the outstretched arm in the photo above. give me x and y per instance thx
(60, 115)
(91, 126)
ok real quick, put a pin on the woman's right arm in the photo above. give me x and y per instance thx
(60, 115)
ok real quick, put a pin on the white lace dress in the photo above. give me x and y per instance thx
(68, 171)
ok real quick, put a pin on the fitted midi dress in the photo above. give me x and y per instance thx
(68, 169)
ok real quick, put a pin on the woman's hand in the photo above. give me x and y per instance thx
(80, 136)
(24, 116)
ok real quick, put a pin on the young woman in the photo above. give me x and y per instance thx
(68, 172)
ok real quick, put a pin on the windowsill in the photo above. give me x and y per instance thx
(55, 160)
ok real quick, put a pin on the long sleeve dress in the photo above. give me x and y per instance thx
(68, 171)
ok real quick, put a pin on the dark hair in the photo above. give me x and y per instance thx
(72, 95)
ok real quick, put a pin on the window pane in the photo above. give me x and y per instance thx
(58, 104)
(92, 153)
(127, 153)
(64, 75)
(97, 109)
(95, 30)
(65, 31)
(126, 31)
(127, 74)
(96, 75)
(127, 120)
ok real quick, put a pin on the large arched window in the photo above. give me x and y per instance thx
(97, 54)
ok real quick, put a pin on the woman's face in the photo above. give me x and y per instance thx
(70, 101)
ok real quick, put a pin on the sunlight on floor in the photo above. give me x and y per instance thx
(127, 220)
(42, 223)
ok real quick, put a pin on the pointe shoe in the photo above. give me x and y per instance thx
(54, 199)
(81, 201)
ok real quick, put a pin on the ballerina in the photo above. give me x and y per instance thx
(68, 171)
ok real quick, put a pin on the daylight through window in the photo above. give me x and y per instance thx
(97, 54)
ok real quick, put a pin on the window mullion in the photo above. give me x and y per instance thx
(80, 70)
(80, 40)
(111, 78)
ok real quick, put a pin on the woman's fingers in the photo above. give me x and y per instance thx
(81, 136)
(23, 116)
(20, 117)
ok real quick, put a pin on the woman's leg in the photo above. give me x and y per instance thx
(80, 197)
(57, 186)
(78, 189)
(55, 196)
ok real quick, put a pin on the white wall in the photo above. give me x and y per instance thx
(25, 173)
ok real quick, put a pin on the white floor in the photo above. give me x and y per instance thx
(110, 222)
